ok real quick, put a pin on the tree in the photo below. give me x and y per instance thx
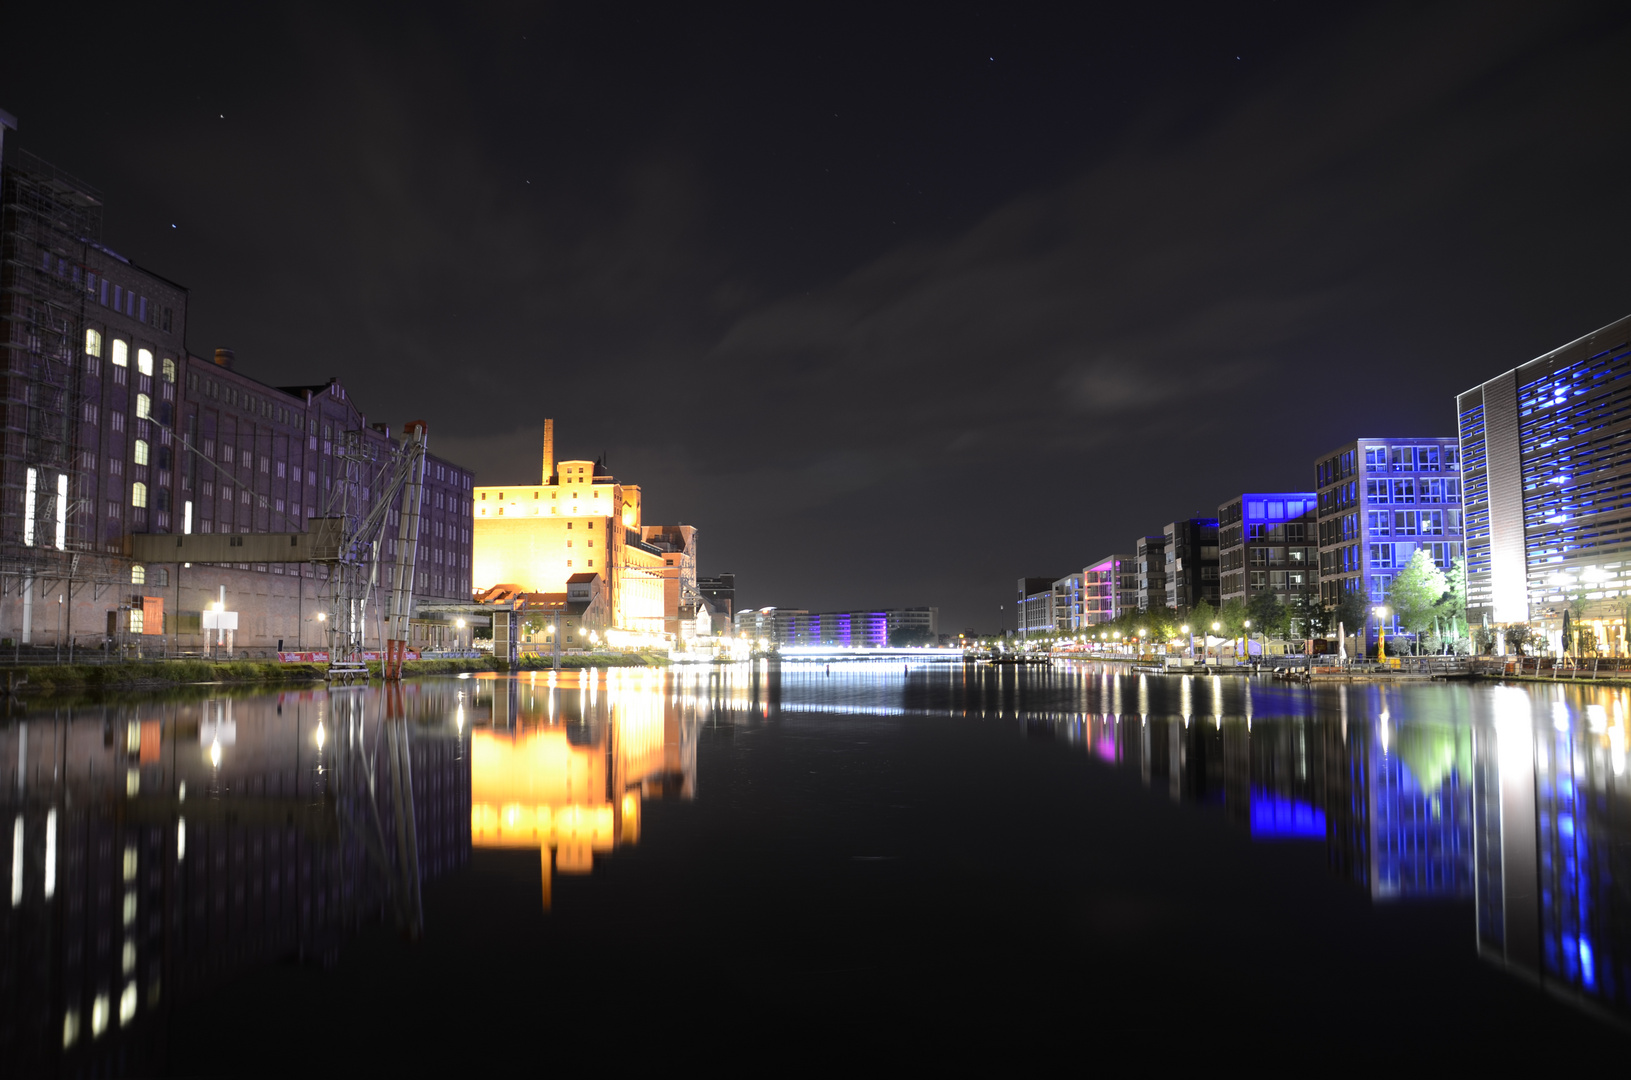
(1517, 636)
(1352, 611)
(1453, 605)
(1416, 593)
(1307, 615)
(1269, 617)
(1201, 618)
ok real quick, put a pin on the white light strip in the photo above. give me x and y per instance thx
(187, 517)
(28, 507)
(62, 511)
(51, 853)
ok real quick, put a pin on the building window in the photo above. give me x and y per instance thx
(121, 353)
(144, 361)
(138, 494)
(139, 454)
(1404, 491)
(1376, 491)
(138, 574)
(169, 370)
(144, 406)
(93, 342)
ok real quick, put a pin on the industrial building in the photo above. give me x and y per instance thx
(114, 433)
(580, 519)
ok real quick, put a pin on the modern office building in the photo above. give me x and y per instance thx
(1150, 554)
(1268, 542)
(876, 628)
(113, 430)
(1109, 589)
(1379, 501)
(1069, 613)
(1549, 487)
(1033, 603)
(1191, 550)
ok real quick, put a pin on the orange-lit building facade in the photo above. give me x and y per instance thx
(578, 519)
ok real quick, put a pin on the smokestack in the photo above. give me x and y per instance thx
(224, 358)
(549, 450)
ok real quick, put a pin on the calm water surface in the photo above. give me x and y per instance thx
(654, 870)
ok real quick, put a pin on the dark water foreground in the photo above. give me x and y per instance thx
(648, 870)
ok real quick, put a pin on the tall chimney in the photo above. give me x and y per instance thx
(549, 450)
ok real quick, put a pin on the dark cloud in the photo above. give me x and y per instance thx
(893, 322)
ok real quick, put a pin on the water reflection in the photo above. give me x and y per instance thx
(567, 759)
(161, 847)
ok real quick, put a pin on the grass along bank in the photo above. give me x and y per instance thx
(50, 678)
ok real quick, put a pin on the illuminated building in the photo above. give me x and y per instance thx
(577, 519)
(873, 629)
(1548, 502)
(678, 544)
(1033, 606)
(1380, 500)
(1069, 608)
(1267, 543)
(1109, 589)
(1190, 547)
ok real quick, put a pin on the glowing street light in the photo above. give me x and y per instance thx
(1381, 633)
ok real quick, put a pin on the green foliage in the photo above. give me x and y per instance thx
(1308, 616)
(1201, 618)
(1416, 593)
(1269, 616)
(1517, 638)
(1352, 611)
(1232, 618)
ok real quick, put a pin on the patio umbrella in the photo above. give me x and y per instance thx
(1565, 631)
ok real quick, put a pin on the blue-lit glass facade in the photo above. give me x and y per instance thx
(1549, 487)
(1268, 542)
(1380, 501)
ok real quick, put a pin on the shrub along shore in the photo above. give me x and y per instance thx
(151, 674)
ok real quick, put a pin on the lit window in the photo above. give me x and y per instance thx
(121, 353)
(138, 494)
(144, 406)
(93, 343)
(169, 370)
(138, 574)
(144, 361)
(140, 454)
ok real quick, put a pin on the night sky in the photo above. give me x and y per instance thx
(896, 304)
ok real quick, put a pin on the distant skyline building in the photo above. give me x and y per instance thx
(1268, 542)
(1191, 550)
(1109, 589)
(1548, 485)
(1033, 604)
(1150, 552)
(1380, 500)
(877, 628)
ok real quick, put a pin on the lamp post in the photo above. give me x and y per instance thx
(1247, 625)
(1191, 638)
(1381, 634)
(1215, 628)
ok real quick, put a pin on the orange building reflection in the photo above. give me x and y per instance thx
(567, 762)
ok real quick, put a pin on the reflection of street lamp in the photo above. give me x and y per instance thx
(1381, 633)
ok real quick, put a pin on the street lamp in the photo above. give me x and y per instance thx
(1381, 633)
(1215, 628)
(1191, 638)
(1248, 627)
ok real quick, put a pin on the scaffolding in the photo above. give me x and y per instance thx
(49, 222)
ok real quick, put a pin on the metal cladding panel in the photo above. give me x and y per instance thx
(320, 544)
(1508, 570)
